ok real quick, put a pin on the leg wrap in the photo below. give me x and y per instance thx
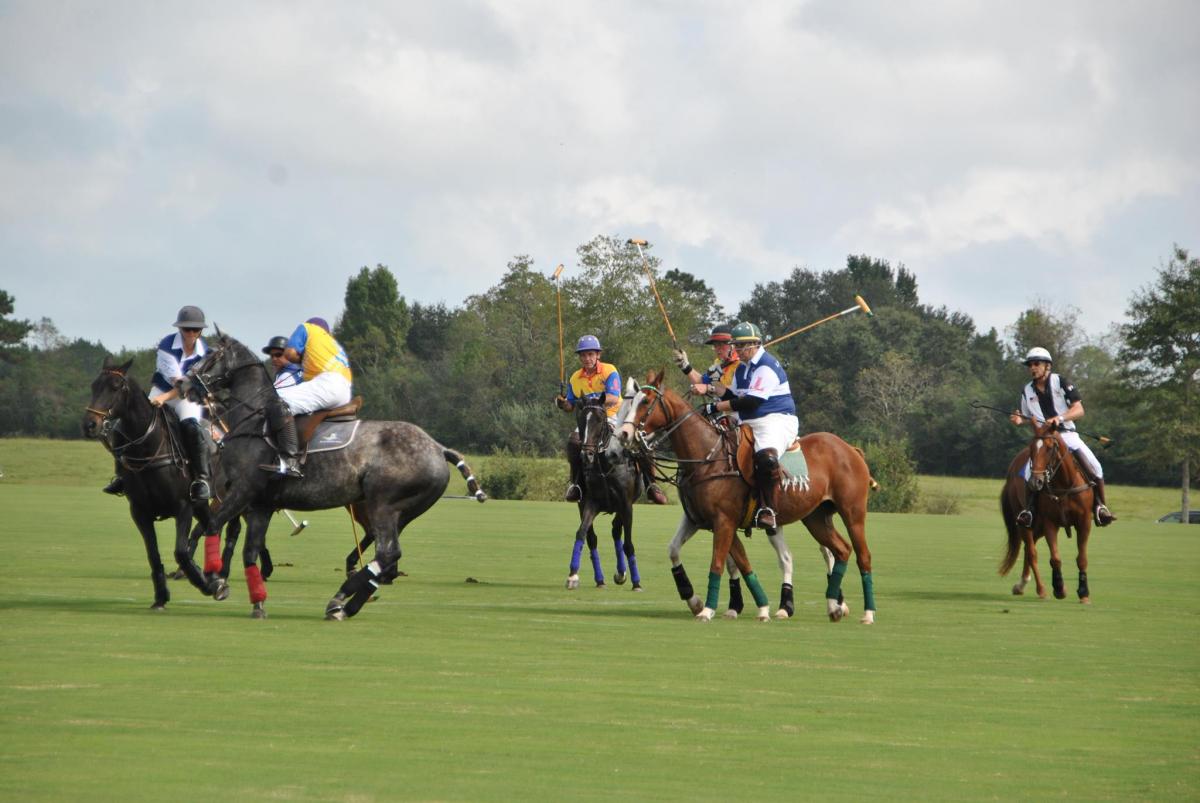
(714, 591)
(366, 583)
(756, 590)
(735, 595)
(834, 587)
(682, 584)
(255, 584)
(868, 591)
(212, 554)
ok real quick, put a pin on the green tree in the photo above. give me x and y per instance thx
(1160, 364)
(375, 321)
(12, 331)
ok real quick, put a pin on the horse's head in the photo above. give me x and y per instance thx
(645, 413)
(1046, 455)
(216, 369)
(110, 398)
(594, 431)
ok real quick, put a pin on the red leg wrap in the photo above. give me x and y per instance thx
(212, 553)
(254, 582)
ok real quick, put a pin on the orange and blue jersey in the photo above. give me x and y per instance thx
(605, 379)
(725, 376)
(319, 352)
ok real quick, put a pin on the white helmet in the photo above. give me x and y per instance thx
(1037, 354)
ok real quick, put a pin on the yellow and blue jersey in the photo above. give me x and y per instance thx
(319, 352)
(605, 379)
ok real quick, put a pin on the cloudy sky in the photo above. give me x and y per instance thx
(250, 157)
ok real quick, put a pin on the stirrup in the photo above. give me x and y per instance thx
(199, 491)
(1025, 519)
(765, 519)
(574, 493)
(284, 468)
(1103, 516)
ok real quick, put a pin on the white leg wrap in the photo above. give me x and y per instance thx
(705, 615)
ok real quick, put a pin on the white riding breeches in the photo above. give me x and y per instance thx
(322, 392)
(776, 431)
(184, 410)
(1075, 444)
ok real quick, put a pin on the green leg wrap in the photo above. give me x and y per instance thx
(835, 579)
(714, 591)
(756, 589)
(868, 592)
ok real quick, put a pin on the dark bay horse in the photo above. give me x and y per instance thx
(1064, 501)
(719, 498)
(145, 441)
(610, 484)
(391, 472)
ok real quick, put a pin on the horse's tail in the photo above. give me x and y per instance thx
(460, 463)
(1013, 548)
(874, 486)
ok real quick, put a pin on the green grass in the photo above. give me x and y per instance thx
(514, 688)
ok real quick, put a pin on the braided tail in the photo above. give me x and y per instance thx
(460, 463)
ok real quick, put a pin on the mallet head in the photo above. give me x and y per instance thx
(557, 272)
(636, 241)
(862, 305)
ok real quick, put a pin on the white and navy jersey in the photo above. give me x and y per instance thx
(1060, 394)
(287, 376)
(171, 364)
(764, 378)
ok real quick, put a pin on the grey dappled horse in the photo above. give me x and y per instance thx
(392, 472)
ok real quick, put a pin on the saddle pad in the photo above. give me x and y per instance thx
(795, 465)
(333, 435)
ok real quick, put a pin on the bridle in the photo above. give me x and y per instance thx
(107, 421)
(651, 443)
(111, 424)
(209, 382)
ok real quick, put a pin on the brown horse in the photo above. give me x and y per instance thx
(1064, 500)
(718, 496)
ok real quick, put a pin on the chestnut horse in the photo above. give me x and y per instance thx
(1064, 500)
(717, 497)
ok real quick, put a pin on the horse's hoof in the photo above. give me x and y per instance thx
(335, 611)
(220, 590)
(600, 584)
(258, 611)
(1085, 600)
(764, 614)
(731, 614)
(782, 614)
(636, 587)
(705, 615)
(619, 579)
(573, 582)
(694, 604)
(1018, 591)
(1060, 594)
(837, 610)
(158, 606)
(1042, 593)
(868, 618)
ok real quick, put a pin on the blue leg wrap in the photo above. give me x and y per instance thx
(576, 554)
(633, 570)
(597, 573)
(620, 556)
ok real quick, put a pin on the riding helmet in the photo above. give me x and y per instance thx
(720, 334)
(279, 342)
(321, 322)
(588, 343)
(1037, 354)
(746, 332)
(190, 318)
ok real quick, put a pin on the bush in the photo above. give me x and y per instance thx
(940, 504)
(510, 476)
(896, 472)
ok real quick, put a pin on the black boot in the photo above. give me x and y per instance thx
(1025, 517)
(116, 487)
(766, 477)
(283, 429)
(196, 447)
(653, 492)
(1103, 515)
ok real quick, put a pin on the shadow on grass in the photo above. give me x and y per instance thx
(946, 596)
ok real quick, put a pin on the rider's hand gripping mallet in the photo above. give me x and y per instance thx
(646, 265)
(859, 304)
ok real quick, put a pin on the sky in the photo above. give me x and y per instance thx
(249, 158)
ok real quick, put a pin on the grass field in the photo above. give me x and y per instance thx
(514, 688)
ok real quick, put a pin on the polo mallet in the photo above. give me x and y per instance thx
(354, 530)
(859, 304)
(300, 526)
(646, 265)
(562, 369)
(1103, 440)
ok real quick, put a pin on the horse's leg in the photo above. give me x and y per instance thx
(724, 530)
(594, 553)
(257, 521)
(232, 530)
(1081, 561)
(737, 551)
(360, 547)
(787, 605)
(630, 553)
(820, 525)
(210, 583)
(1050, 532)
(386, 523)
(854, 516)
(587, 514)
(1031, 563)
(158, 573)
(619, 548)
(683, 585)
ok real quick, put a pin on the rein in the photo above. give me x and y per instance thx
(681, 465)
(166, 452)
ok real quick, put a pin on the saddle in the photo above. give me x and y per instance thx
(795, 467)
(306, 425)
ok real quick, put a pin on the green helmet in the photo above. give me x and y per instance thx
(746, 331)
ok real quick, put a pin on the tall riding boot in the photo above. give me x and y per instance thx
(575, 460)
(653, 492)
(196, 447)
(283, 429)
(766, 478)
(117, 486)
(1103, 515)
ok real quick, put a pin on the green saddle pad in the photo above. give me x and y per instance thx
(796, 466)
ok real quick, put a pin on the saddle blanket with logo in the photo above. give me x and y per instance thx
(333, 435)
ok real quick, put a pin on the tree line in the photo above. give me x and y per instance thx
(482, 375)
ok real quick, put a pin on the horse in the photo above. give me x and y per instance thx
(611, 483)
(145, 441)
(718, 497)
(1064, 501)
(392, 471)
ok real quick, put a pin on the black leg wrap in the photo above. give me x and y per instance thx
(736, 603)
(1083, 590)
(1056, 582)
(787, 601)
(682, 583)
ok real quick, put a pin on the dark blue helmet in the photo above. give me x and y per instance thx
(588, 343)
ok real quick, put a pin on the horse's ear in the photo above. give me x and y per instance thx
(108, 363)
(655, 378)
(124, 369)
(217, 329)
